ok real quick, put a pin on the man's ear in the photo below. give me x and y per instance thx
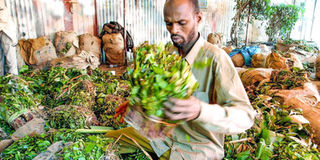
(199, 17)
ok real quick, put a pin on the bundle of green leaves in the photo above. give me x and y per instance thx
(85, 146)
(302, 44)
(71, 117)
(17, 96)
(283, 79)
(92, 148)
(157, 75)
(26, 148)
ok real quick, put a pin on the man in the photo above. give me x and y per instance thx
(7, 39)
(219, 107)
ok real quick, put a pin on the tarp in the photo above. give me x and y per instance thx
(247, 52)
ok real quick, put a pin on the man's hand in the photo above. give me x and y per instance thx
(182, 109)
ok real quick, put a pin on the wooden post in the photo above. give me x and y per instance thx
(95, 24)
(125, 33)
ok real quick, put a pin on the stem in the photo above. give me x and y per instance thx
(240, 140)
(248, 20)
(92, 131)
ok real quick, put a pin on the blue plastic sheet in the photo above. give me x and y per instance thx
(247, 53)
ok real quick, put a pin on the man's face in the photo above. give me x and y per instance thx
(181, 21)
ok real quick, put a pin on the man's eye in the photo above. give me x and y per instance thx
(182, 23)
(168, 24)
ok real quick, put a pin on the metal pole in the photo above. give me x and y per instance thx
(246, 40)
(124, 33)
(313, 17)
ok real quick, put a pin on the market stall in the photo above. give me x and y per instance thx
(93, 75)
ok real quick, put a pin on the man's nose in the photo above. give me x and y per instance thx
(174, 29)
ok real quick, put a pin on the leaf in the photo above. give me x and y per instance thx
(243, 155)
(89, 147)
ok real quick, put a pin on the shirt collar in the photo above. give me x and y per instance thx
(192, 55)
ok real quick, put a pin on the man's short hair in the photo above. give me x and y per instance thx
(195, 4)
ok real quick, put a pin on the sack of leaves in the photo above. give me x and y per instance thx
(72, 117)
(90, 43)
(83, 60)
(282, 47)
(283, 61)
(305, 98)
(259, 60)
(215, 38)
(277, 61)
(113, 45)
(157, 75)
(254, 77)
(66, 43)
(238, 60)
(37, 51)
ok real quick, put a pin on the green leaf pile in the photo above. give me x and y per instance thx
(274, 135)
(59, 86)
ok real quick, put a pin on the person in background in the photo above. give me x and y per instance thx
(220, 106)
(8, 58)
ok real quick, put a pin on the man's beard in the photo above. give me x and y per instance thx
(184, 42)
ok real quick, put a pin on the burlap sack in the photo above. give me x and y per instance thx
(296, 61)
(254, 77)
(317, 65)
(238, 60)
(276, 61)
(307, 99)
(90, 43)
(66, 43)
(113, 47)
(37, 51)
(259, 60)
(215, 38)
(81, 61)
(311, 113)
(281, 47)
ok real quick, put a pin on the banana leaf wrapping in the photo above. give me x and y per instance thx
(157, 75)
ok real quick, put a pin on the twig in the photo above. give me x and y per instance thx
(146, 153)
(116, 141)
(240, 140)
(75, 77)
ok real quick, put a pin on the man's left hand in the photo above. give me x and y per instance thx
(182, 109)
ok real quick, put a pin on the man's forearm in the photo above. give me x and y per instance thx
(228, 120)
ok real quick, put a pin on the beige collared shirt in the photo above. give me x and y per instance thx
(226, 109)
